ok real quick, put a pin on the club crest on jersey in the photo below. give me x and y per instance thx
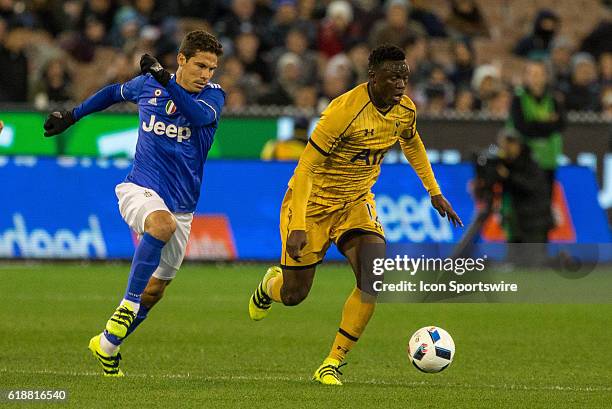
(170, 107)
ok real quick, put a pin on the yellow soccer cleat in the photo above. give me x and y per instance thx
(329, 372)
(260, 302)
(110, 363)
(121, 320)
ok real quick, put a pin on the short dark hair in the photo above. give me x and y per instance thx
(200, 40)
(385, 53)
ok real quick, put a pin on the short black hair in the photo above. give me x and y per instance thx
(198, 41)
(385, 53)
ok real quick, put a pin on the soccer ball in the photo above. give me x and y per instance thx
(431, 349)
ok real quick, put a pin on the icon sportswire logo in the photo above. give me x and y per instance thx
(160, 128)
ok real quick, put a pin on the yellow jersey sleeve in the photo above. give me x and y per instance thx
(302, 186)
(414, 150)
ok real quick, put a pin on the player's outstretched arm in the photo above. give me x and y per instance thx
(301, 189)
(198, 112)
(58, 122)
(414, 150)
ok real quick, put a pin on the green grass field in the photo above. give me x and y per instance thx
(198, 348)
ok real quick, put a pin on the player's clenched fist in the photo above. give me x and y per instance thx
(295, 243)
(58, 122)
(150, 65)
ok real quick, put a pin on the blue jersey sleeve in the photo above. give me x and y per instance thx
(131, 90)
(201, 110)
(109, 95)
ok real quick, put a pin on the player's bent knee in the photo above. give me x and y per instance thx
(161, 225)
(367, 283)
(293, 296)
(368, 291)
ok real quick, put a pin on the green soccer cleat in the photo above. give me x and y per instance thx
(329, 372)
(260, 302)
(121, 320)
(110, 363)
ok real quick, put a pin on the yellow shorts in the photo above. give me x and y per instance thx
(326, 224)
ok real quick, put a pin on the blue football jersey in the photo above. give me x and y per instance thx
(175, 133)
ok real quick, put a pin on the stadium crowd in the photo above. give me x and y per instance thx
(464, 55)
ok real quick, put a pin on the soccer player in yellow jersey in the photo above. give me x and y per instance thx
(329, 198)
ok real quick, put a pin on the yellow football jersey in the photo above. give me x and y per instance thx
(355, 136)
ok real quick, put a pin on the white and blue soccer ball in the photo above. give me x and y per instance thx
(431, 349)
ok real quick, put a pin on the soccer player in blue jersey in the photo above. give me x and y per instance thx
(178, 118)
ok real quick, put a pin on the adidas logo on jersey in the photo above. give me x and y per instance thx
(181, 133)
(152, 101)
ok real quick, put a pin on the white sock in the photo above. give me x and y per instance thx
(107, 346)
(135, 306)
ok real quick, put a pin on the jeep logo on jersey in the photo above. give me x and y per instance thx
(170, 107)
(171, 131)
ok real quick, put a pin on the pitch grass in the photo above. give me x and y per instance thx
(198, 349)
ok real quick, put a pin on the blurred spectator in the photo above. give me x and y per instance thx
(606, 103)
(125, 33)
(464, 100)
(52, 15)
(286, 82)
(396, 28)
(122, 69)
(435, 100)
(242, 18)
(368, 12)
(73, 12)
(539, 118)
(499, 104)
(308, 10)
(464, 58)
(297, 43)
(340, 66)
(148, 12)
(333, 86)
(358, 55)
(466, 20)
(236, 99)
(598, 41)
(286, 19)
(428, 19)
(101, 10)
(290, 149)
(486, 83)
(582, 93)
(605, 68)
(537, 43)
(54, 84)
(234, 76)
(418, 59)
(438, 90)
(13, 64)
(305, 99)
(16, 14)
(560, 62)
(247, 50)
(82, 45)
(203, 9)
(338, 30)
